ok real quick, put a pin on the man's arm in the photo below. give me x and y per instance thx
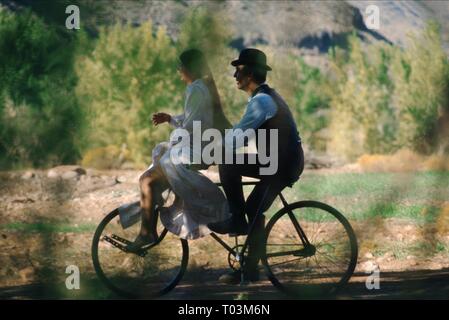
(259, 109)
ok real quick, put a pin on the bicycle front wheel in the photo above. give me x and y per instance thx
(133, 276)
(311, 250)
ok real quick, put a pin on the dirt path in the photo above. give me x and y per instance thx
(419, 284)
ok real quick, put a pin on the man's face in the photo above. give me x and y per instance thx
(241, 77)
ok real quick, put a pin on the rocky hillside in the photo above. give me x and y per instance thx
(302, 24)
(398, 18)
(311, 26)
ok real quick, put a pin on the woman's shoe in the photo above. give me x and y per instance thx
(140, 242)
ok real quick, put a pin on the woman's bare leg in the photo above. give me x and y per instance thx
(148, 227)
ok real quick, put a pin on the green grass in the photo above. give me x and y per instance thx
(417, 213)
(381, 210)
(358, 196)
(369, 195)
(406, 185)
(409, 196)
(419, 249)
(42, 227)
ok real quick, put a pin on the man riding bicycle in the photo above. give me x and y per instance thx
(267, 110)
(305, 240)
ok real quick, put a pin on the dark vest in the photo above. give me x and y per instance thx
(290, 155)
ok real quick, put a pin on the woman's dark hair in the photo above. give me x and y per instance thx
(195, 63)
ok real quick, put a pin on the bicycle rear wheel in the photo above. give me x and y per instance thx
(129, 274)
(317, 270)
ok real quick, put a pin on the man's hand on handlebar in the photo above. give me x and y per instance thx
(161, 117)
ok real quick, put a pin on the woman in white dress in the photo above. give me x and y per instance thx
(198, 200)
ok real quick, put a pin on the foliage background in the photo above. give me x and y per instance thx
(87, 97)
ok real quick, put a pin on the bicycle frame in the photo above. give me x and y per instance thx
(307, 250)
(240, 255)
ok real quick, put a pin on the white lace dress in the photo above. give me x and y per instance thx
(199, 200)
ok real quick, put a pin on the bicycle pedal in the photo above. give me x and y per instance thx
(141, 253)
(115, 243)
(122, 240)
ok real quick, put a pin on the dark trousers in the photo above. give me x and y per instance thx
(261, 197)
(260, 200)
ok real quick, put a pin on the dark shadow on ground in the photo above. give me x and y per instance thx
(419, 284)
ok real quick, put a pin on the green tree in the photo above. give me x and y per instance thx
(362, 118)
(305, 89)
(312, 98)
(421, 86)
(209, 32)
(39, 114)
(130, 74)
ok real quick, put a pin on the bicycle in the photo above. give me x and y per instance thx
(310, 251)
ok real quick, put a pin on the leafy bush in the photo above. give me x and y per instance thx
(306, 91)
(110, 157)
(67, 96)
(208, 31)
(312, 98)
(130, 74)
(386, 98)
(39, 115)
(361, 116)
(421, 86)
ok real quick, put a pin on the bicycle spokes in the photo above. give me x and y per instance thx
(305, 252)
(309, 248)
(151, 271)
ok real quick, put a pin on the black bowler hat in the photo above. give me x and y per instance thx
(252, 57)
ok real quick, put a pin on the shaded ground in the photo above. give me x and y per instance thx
(419, 284)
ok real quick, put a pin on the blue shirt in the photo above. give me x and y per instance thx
(259, 109)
